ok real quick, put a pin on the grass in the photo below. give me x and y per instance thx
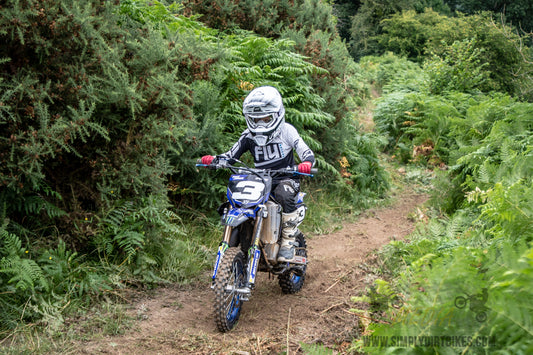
(104, 319)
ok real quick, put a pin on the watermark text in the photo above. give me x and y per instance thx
(428, 341)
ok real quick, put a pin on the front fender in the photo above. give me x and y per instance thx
(237, 216)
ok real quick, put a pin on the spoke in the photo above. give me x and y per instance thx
(228, 307)
(229, 297)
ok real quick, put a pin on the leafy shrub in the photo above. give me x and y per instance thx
(481, 252)
(492, 56)
(105, 110)
(86, 136)
(392, 117)
(442, 129)
(390, 72)
(408, 32)
(161, 16)
(494, 140)
(266, 18)
(372, 21)
(432, 285)
(44, 285)
(460, 69)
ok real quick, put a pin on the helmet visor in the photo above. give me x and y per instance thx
(261, 119)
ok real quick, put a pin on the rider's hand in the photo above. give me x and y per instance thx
(305, 167)
(207, 159)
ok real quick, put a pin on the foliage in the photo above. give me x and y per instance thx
(480, 247)
(163, 17)
(463, 273)
(390, 73)
(459, 70)
(515, 12)
(43, 285)
(344, 10)
(496, 53)
(265, 18)
(105, 117)
(432, 285)
(378, 26)
(438, 129)
(89, 112)
(22, 272)
(501, 49)
(392, 116)
(408, 32)
(368, 22)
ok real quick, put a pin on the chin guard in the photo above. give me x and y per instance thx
(260, 140)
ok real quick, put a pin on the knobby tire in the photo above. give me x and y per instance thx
(227, 305)
(289, 281)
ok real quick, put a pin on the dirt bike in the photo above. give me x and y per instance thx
(477, 305)
(252, 239)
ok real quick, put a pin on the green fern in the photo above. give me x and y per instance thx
(130, 242)
(121, 232)
(20, 271)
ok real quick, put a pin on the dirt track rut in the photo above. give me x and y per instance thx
(178, 320)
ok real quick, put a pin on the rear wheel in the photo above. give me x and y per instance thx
(230, 276)
(293, 281)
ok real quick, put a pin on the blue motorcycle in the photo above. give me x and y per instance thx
(251, 239)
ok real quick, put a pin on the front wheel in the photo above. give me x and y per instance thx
(231, 276)
(293, 281)
(460, 302)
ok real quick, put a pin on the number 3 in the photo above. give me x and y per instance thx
(251, 190)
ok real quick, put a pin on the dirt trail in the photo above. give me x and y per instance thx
(179, 320)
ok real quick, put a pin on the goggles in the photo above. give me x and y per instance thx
(265, 119)
(261, 119)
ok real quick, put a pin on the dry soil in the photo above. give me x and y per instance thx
(178, 320)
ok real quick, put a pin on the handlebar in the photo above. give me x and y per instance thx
(221, 162)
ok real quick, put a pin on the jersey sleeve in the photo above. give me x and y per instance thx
(239, 148)
(302, 149)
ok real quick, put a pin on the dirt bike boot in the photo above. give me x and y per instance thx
(288, 236)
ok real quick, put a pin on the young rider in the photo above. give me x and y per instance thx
(272, 141)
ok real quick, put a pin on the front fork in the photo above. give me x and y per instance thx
(254, 253)
(224, 245)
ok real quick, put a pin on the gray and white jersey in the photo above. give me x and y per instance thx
(278, 153)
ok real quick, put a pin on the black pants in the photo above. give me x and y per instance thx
(285, 193)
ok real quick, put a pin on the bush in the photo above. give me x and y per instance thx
(463, 273)
(89, 110)
(494, 52)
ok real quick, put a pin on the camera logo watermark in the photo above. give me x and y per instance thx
(477, 304)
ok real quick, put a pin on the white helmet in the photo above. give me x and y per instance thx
(264, 113)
